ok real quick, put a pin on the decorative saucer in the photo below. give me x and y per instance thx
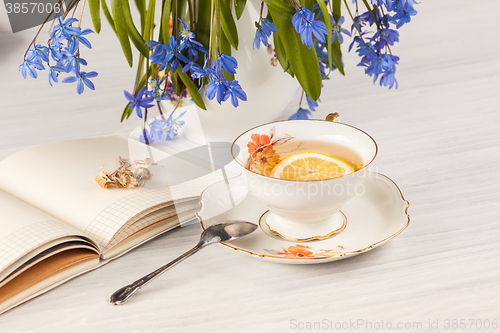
(374, 217)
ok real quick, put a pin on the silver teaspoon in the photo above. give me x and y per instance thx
(214, 234)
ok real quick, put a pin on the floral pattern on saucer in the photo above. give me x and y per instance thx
(302, 251)
(263, 157)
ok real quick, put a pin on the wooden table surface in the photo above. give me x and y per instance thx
(439, 140)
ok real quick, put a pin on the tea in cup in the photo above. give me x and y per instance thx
(304, 171)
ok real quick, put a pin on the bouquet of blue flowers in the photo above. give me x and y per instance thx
(186, 52)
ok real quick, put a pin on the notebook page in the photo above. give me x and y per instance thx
(24, 229)
(59, 179)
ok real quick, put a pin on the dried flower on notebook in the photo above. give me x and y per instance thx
(124, 177)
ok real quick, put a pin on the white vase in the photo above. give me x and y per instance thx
(269, 90)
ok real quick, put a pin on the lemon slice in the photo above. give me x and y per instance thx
(311, 166)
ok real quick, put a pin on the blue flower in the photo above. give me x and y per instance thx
(54, 73)
(188, 40)
(70, 59)
(165, 129)
(384, 37)
(300, 114)
(39, 51)
(138, 101)
(161, 54)
(30, 65)
(263, 32)
(228, 63)
(79, 37)
(217, 87)
(304, 23)
(197, 72)
(235, 91)
(81, 79)
(55, 48)
(157, 92)
(312, 104)
(161, 130)
(388, 78)
(65, 29)
(404, 11)
(337, 30)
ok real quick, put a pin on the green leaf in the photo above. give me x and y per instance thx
(126, 113)
(203, 22)
(121, 30)
(133, 33)
(149, 26)
(304, 62)
(328, 23)
(337, 56)
(281, 6)
(336, 8)
(192, 88)
(336, 51)
(280, 52)
(239, 7)
(141, 7)
(227, 23)
(106, 12)
(309, 4)
(95, 14)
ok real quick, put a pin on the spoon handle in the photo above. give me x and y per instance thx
(123, 294)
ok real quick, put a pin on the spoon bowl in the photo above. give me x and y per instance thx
(226, 231)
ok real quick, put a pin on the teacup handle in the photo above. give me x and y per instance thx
(332, 117)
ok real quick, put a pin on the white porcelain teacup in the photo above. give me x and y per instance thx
(303, 210)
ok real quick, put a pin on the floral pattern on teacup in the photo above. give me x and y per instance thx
(263, 157)
(302, 251)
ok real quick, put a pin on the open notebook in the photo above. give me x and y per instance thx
(56, 222)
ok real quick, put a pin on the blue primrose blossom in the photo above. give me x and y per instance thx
(300, 114)
(384, 37)
(304, 23)
(312, 104)
(39, 51)
(79, 37)
(81, 79)
(235, 91)
(162, 130)
(139, 101)
(30, 65)
(403, 11)
(65, 29)
(217, 87)
(63, 48)
(228, 63)
(337, 30)
(187, 39)
(263, 32)
(157, 92)
(197, 72)
(167, 56)
(54, 74)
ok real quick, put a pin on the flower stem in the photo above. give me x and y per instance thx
(357, 28)
(39, 30)
(81, 13)
(210, 46)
